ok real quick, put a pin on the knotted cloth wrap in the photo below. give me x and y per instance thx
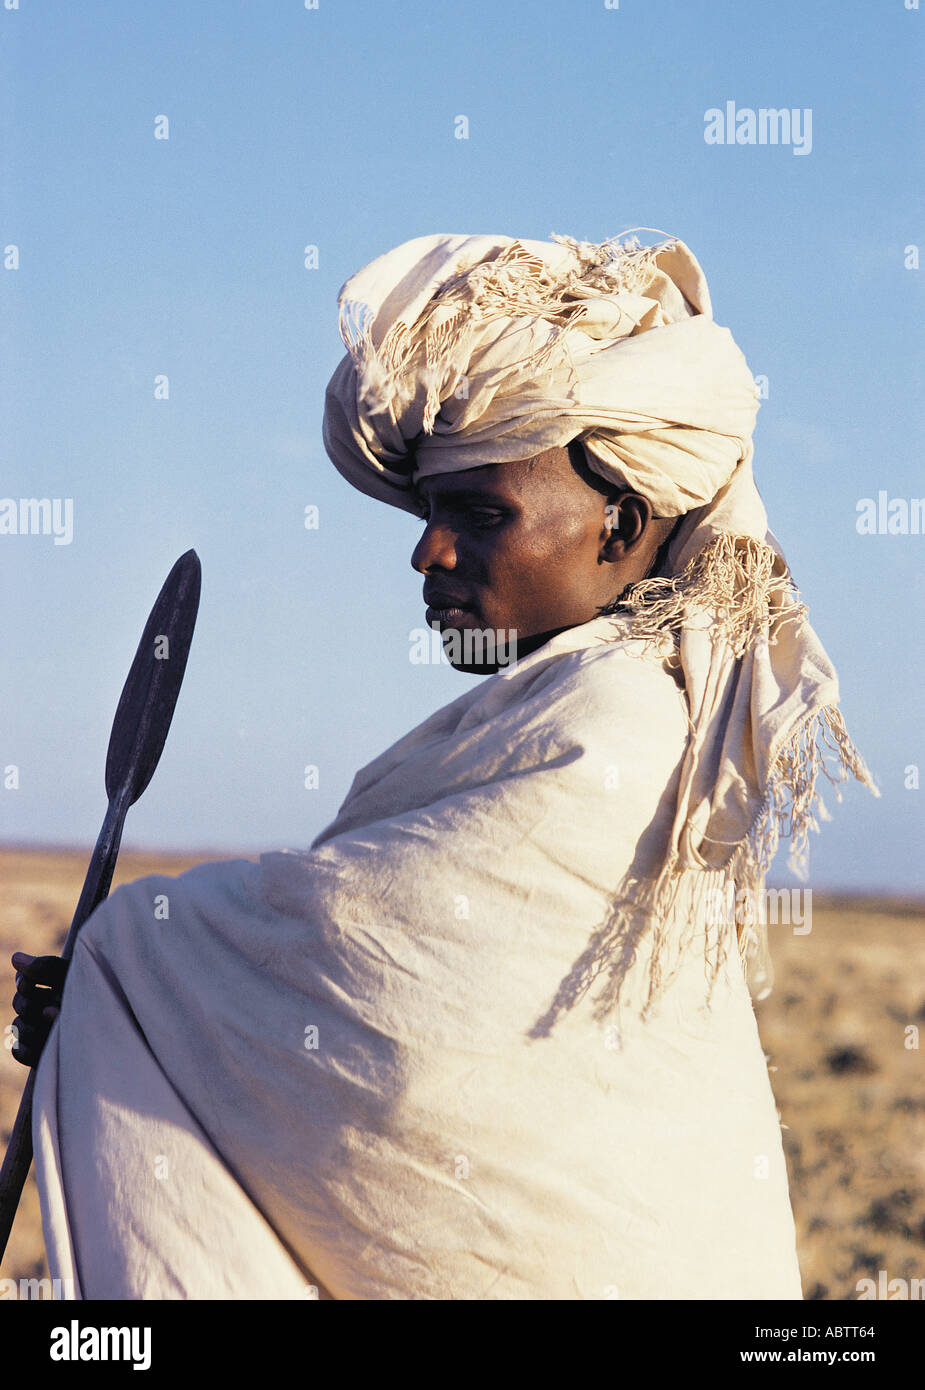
(466, 351)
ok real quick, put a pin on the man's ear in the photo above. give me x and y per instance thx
(626, 517)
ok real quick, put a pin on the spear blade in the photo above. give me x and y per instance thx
(149, 696)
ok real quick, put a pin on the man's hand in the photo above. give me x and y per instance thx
(37, 1002)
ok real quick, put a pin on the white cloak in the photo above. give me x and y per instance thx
(334, 1073)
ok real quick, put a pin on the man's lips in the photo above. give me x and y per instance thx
(448, 611)
(450, 617)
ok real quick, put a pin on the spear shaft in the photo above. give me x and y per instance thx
(139, 732)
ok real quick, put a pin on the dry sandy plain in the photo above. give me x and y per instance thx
(849, 1000)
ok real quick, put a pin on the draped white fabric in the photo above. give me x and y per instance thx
(358, 1067)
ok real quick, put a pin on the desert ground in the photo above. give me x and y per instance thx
(840, 1029)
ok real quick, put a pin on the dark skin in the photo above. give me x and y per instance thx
(539, 545)
(37, 1002)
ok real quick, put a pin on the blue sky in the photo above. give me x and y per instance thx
(334, 127)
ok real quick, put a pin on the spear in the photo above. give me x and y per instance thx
(139, 732)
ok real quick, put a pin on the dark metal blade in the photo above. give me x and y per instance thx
(150, 693)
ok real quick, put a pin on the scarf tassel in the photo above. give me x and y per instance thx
(749, 593)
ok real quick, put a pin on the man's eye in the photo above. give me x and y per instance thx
(477, 516)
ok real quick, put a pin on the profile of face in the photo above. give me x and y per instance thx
(535, 545)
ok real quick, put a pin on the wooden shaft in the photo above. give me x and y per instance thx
(18, 1157)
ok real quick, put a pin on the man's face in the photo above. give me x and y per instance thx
(525, 545)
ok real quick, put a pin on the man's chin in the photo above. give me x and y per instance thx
(481, 651)
(478, 650)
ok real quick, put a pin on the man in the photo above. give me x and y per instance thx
(491, 1036)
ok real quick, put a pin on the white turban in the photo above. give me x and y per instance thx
(466, 351)
(475, 350)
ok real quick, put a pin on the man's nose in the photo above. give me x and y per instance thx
(435, 550)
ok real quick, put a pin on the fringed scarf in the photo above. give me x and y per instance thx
(469, 351)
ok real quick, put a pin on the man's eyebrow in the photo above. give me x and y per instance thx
(465, 494)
